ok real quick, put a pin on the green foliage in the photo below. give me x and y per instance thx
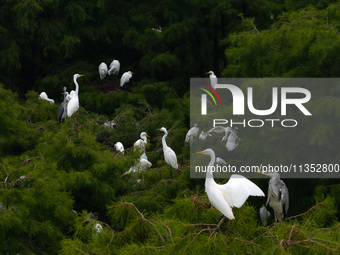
(301, 43)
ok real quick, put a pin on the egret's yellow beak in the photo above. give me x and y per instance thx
(132, 72)
(207, 73)
(158, 129)
(63, 93)
(200, 152)
(148, 136)
(81, 75)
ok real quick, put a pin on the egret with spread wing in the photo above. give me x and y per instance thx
(232, 194)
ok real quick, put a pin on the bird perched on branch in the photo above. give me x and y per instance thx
(169, 155)
(119, 147)
(44, 96)
(102, 70)
(278, 196)
(114, 67)
(73, 104)
(125, 78)
(63, 107)
(213, 78)
(232, 194)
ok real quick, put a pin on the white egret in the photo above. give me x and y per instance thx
(102, 70)
(114, 67)
(213, 78)
(119, 147)
(139, 166)
(44, 96)
(140, 144)
(192, 134)
(73, 104)
(278, 196)
(169, 155)
(125, 78)
(63, 107)
(232, 194)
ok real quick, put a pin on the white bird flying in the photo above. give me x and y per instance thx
(125, 78)
(102, 70)
(119, 147)
(114, 67)
(73, 104)
(44, 96)
(169, 155)
(213, 78)
(232, 194)
(192, 134)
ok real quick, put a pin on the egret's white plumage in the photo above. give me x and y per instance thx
(169, 155)
(192, 134)
(102, 69)
(125, 78)
(73, 104)
(114, 67)
(44, 96)
(213, 78)
(119, 147)
(139, 166)
(232, 194)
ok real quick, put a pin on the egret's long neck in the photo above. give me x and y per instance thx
(76, 83)
(145, 139)
(209, 174)
(163, 140)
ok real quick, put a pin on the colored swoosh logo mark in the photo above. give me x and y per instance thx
(213, 90)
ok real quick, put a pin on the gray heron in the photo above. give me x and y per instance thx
(278, 196)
